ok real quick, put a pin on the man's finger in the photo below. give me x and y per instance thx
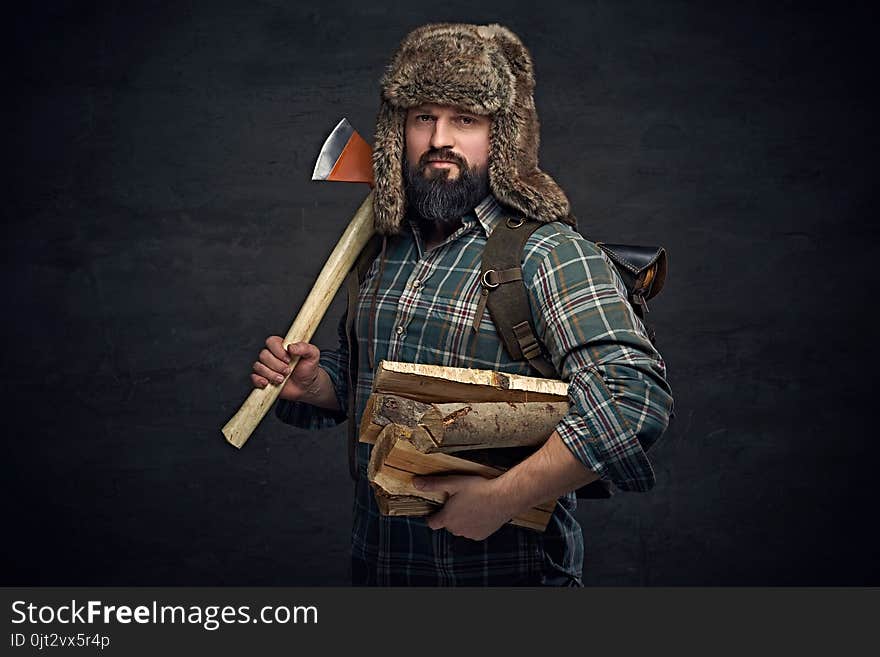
(268, 359)
(267, 373)
(423, 482)
(436, 520)
(276, 347)
(442, 483)
(304, 350)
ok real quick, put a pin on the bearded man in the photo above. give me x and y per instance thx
(455, 153)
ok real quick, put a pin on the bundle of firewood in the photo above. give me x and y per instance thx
(429, 419)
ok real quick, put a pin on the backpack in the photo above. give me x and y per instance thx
(642, 269)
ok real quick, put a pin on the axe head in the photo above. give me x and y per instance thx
(345, 157)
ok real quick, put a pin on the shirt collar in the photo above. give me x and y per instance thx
(488, 213)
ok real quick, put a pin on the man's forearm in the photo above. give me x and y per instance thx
(477, 507)
(547, 474)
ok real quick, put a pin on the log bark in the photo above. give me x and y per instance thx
(456, 426)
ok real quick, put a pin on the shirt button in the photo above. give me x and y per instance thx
(417, 284)
(400, 330)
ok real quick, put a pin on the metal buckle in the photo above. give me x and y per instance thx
(485, 279)
(515, 225)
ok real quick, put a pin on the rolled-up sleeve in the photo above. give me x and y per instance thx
(307, 416)
(620, 401)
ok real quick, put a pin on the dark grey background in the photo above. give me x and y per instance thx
(160, 222)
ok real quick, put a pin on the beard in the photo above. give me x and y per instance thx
(434, 197)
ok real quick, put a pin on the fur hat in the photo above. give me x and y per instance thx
(484, 69)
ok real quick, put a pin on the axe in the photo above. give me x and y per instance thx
(345, 156)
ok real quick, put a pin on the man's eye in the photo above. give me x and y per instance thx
(424, 118)
(467, 120)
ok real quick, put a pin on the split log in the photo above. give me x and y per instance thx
(456, 426)
(437, 383)
(394, 462)
(403, 505)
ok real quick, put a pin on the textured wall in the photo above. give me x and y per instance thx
(160, 222)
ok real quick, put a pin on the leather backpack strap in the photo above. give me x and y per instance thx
(504, 293)
(352, 286)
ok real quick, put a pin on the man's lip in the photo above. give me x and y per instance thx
(442, 162)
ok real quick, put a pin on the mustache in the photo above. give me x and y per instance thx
(446, 154)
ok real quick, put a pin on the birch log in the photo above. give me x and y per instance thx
(456, 426)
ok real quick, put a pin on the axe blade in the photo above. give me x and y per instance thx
(344, 157)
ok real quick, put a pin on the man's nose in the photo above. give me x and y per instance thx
(442, 137)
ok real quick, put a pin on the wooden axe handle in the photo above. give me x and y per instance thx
(352, 242)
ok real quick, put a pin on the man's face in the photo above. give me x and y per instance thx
(437, 131)
(447, 157)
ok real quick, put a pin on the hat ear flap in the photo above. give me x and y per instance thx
(514, 175)
(389, 197)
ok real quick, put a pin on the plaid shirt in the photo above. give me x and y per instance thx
(619, 399)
